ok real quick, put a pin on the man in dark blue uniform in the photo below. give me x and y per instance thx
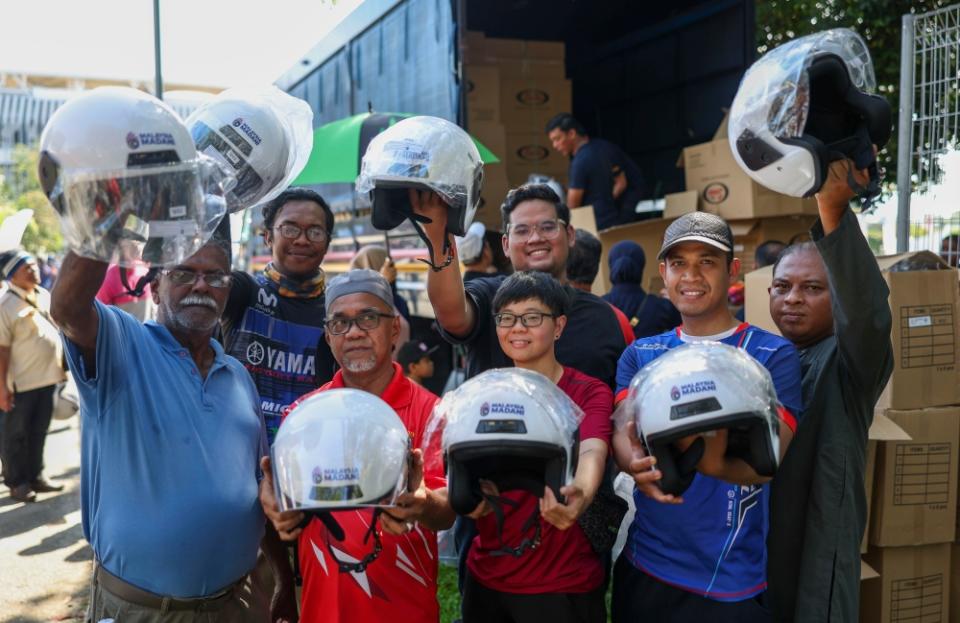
(601, 174)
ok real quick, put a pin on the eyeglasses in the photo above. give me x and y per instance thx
(366, 321)
(507, 320)
(548, 230)
(182, 277)
(292, 232)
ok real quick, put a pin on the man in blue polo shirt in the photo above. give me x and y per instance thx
(702, 556)
(171, 438)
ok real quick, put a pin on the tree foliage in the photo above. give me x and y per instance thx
(19, 190)
(878, 21)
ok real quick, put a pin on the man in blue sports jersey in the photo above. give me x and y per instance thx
(702, 556)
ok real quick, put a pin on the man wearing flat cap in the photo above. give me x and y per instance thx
(362, 327)
(31, 358)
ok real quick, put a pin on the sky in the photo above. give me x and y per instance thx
(218, 43)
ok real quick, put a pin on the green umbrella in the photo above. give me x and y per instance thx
(338, 147)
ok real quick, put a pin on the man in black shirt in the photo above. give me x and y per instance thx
(538, 237)
(601, 174)
(828, 298)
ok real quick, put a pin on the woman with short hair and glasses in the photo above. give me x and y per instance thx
(552, 572)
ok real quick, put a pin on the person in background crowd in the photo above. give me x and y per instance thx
(273, 322)
(476, 254)
(561, 579)
(31, 356)
(648, 314)
(48, 272)
(171, 438)
(583, 265)
(950, 249)
(829, 298)
(601, 174)
(114, 292)
(700, 556)
(414, 358)
(362, 328)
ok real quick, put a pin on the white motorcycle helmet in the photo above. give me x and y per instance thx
(425, 153)
(512, 427)
(804, 105)
(117, 163)
(703, 387)
(340, 449)
(261, 135)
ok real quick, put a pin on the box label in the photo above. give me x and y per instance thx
(922, 474)
(917, 600)
(927, 336)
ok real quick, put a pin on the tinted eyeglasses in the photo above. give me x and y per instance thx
(548, 230)
(290, 231)
(529, 319)
(365, 321)
(183, 277)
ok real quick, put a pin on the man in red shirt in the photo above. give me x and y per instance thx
(362, 328)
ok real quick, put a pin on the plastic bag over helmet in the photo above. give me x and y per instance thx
(263, 136)
(513, 427)
(703, 387)
(118, 164)
(340, 449)
(422, 153)
(805, 104)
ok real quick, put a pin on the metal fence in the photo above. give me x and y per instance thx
(929, 124)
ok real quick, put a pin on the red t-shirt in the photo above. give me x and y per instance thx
(402, 582)
(564, 562)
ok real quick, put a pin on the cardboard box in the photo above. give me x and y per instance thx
(483, 94)
(954, 583)
(756, 299)
(526, 104)
(914, 585)
(748, 234)
(530, 152)
(724, 189)
(867, 572)
(478, 46)
(915, 493)
(678, 204)
(649, 235)
(881, 429)
(925, 304)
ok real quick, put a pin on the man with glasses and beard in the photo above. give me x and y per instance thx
(342, 581)
(171, 438)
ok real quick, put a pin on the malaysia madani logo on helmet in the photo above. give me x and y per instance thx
(485, 409)
(675, 392)
(317, 475)
(132, 141)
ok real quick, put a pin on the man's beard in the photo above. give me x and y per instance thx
(180, 319)
(360, 365)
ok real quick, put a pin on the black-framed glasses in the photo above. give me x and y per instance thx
(183, 277)
(291, 231)
(507, 320)
(548, 230)
(365, 321)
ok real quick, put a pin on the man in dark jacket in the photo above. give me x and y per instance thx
(828, 298)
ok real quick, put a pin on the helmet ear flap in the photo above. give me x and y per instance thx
(464, 495)
(391, 206)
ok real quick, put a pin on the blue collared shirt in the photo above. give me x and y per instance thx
(169, 460)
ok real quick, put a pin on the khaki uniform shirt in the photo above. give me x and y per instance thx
(36, 351)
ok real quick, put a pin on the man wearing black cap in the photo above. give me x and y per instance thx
(414, 358)
(30, 368)
(701, 556)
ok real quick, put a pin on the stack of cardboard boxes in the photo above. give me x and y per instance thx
(513, 88)
(912, 528)
(716, 183)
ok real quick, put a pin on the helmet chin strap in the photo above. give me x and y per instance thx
(415, 220)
